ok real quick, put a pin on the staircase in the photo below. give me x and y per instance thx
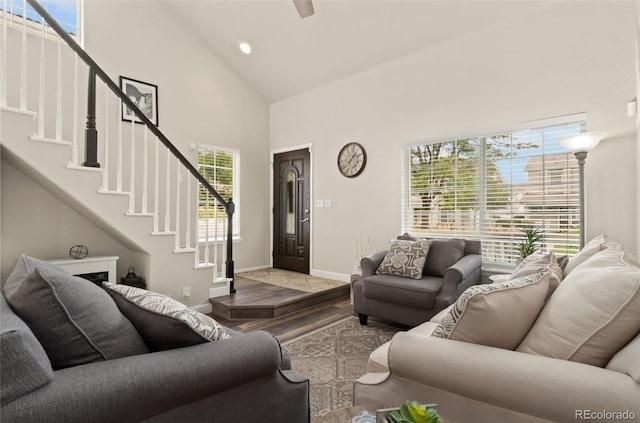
(131, 181)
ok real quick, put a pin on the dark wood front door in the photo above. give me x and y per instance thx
(291, 210)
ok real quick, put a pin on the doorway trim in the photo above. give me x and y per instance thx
(312, 205)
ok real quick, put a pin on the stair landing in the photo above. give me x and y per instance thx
(260, 300)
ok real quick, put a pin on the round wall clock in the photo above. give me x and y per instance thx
(352, 159)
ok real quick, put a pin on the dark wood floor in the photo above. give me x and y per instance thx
(259, 300)
(296, 313)
(297, 323)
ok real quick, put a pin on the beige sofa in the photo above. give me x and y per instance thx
(550, 382)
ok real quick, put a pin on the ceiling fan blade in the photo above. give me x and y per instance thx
(304, 7)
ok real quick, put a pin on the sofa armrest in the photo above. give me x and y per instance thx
(545, 387)
(465, 268)
(140, 387)
(370, 264)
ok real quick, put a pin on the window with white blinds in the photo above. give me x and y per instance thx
(493, 186)
(221, 168)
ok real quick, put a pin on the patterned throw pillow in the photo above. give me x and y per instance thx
(539, 262)
(163, 322)
(497, 315)
(405, 258)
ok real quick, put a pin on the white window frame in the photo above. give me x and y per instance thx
(406, 209)
(235, 194)
(16, 12)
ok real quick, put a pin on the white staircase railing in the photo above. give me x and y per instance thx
(136, 160)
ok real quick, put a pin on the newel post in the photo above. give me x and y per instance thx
(90, 132)
(231, 208)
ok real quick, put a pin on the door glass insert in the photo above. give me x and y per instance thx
(290, 202)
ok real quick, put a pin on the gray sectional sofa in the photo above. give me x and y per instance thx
(244, 377)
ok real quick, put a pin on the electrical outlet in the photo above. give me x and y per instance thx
(186, 292)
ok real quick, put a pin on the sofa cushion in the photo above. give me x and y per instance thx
(539, 262)
(497, 315)
(163, 322)
(378, 361)
(75, 320)
(405, 258)
(24, 364)
(395, 289)
(443, 254)
(626, 360)
(593, 313)
(598, 243)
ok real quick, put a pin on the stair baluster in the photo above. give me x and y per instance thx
(3, 58)
(145, 171)
(132, 169)
(177, 202)
(76, 113)
(23, 60)
(105, 173)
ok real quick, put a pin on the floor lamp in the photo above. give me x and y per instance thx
(580, 145)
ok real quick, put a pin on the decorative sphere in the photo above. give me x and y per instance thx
(78, 251)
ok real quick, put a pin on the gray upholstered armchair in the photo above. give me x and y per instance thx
(451, 266)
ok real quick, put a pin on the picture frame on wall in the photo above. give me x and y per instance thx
(143, 95)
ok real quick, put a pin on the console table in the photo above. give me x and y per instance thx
(96, 269)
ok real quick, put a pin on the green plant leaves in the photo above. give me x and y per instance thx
(414, 412)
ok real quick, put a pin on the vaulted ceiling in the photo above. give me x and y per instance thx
(291, 55)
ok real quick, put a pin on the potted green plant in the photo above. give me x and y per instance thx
(414, 412)
(528, 245)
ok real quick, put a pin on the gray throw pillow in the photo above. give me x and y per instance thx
(443, 254)
(163, 322)
(24, 364)
(75, 320)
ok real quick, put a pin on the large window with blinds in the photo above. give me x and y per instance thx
(221, 168)
(493, 186)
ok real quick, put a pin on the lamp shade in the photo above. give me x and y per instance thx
(582, 143)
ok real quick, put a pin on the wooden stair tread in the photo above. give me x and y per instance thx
(260, 300)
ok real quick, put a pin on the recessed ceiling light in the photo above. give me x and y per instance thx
(245, 47)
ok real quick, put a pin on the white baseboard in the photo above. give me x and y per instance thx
(252, 269)
(342, 277)
(218, 292)
(203, 308)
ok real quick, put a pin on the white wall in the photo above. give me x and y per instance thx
(201, 100)
(637, 125)
(566, 58)
(38, 224)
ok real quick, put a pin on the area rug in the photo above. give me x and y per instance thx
(293, 280)
(333, 358)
